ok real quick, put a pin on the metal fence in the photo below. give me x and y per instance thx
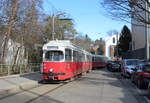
(19, 69)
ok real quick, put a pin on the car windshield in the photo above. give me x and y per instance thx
(132, 62)
(54, 56)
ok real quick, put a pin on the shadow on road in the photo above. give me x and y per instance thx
(32, 76)
(113, 86)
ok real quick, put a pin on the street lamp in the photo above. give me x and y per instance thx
(53, 25)
(117, 52)
(147, 35)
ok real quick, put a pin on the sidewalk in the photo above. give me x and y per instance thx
(17, 82)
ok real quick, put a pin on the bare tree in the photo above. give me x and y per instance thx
(20, 20)
(23, 21)
(13, 8)
(32, 28)
(128, 9)
(83, 41)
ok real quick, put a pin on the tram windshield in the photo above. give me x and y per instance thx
(54, 56)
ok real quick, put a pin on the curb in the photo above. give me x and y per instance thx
(22, 86)
(18, 75)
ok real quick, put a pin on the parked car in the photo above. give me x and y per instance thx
(141, 76)
(127, 66)
(114, 66)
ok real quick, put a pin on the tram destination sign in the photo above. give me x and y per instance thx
(52, 47)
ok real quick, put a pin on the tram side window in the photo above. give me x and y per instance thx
(79, 57)
(103, 59)
(83, 57)
(100, 59)
(68, 55)
(88, 58)
(96, 59)
(93, 59)
(75, 56)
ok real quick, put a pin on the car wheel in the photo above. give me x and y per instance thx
(140, 84)
(123, 75)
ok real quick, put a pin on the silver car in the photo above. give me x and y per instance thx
(127, 66)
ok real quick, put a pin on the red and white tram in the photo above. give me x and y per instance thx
(99, 61)
(63, 60)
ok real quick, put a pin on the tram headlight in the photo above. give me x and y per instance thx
(51, 70)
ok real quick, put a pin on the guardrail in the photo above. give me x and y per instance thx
(18, 69)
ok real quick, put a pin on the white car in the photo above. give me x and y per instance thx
(127, 66)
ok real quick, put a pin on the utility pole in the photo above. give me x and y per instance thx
(147, 35)
(53, 24)
(117, 49)
(147, 42)
(53, 27)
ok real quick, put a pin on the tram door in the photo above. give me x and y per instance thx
(75, 62)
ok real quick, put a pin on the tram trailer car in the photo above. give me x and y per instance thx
(63, 60)
(99, 61)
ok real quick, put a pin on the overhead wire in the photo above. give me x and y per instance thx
(53, 10)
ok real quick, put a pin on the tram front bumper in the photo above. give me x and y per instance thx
(52, 76)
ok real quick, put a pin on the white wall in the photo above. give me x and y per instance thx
(109, 42)
(138, 37)
(138, 32)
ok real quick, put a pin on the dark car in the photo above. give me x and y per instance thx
(113, 66)
(141, 76)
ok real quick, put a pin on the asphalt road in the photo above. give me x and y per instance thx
(99, 86)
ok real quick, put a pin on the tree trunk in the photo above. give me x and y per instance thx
(9, 31)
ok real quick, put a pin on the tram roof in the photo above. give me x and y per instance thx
(63, 43)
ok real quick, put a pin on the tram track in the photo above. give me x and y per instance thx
(49, 91)
(19, 91)
(36, 94)
(31, 100)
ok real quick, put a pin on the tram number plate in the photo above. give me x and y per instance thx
(51, 78)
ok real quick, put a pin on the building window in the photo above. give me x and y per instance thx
(113, 40)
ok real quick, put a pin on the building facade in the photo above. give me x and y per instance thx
(110, 44)
(140, 37)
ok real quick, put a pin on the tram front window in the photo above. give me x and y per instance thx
(54, 56)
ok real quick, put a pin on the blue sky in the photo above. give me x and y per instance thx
(88, 16)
